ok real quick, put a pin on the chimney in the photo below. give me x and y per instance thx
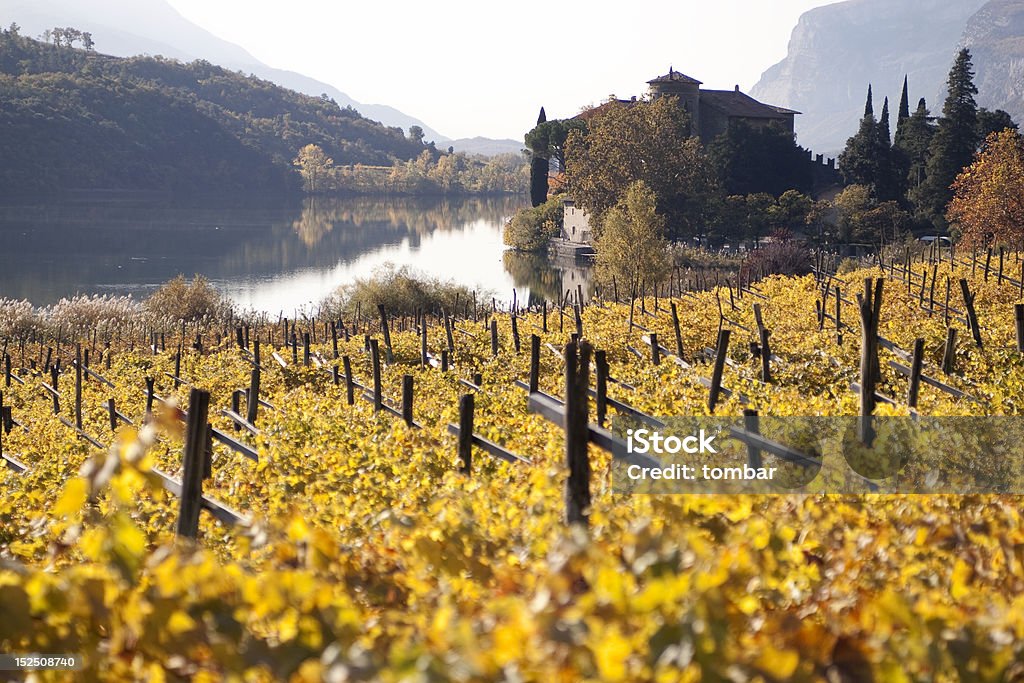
(737, 87)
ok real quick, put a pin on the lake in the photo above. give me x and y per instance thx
(269, 259)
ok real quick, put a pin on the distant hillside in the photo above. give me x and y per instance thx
(127, 28)
(76, 119)
(836, 50)
(486, 146)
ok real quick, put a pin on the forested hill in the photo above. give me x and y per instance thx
(75, 119)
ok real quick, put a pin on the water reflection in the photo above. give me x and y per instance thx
(271, 259)
(548, 278)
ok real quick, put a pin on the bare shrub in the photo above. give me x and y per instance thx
(180, 299)
(782, 255)
(400, 290)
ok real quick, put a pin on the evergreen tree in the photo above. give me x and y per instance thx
(859, 160)
(955, 142)
(993, 122)
(539, 168)
(898, 152)
(913, 140)
(904, 112)
(867, 157)
(764, 159)
(884, 131)
(888, 184)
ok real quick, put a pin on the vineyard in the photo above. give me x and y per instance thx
(429, 498)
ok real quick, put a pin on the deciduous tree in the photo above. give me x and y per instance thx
(632, 245)
(315, 167)
(646, 141)
(988, 196)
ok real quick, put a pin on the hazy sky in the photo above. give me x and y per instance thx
(472, 67)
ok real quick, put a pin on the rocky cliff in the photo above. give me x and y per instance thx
(835, 51)
(995, 35)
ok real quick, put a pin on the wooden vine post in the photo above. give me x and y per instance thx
(675, 325)
(870, 304)
(78, 386)
(601, 363)
(917, 358)
(972, 317)
(949, 351)
(386, 331)
(1018, 319)
(577, 432)
(350, 387)
(194, 454)
(407, 399)
(721, 351)
(375, 362)
(465, 447)
(766, 356)
(534, 363)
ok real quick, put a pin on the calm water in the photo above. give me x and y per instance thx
(269, 259)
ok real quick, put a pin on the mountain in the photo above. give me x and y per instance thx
(835, 51)
(153, 27)
(995, 36)
(487, 147)
(75, 119)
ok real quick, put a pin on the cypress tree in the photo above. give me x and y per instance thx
(539, 169)
(883, 124)
(913, 140)
(904, 112)
(888, 184)
(955, 142)
(859, 160)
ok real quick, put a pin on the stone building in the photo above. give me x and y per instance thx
(575, 225)
(711, 111)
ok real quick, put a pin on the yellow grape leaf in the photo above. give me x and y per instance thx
(610, 654)
(180, 622)
(959, 578)
(781, 663)
(748, 604)
(76, 491)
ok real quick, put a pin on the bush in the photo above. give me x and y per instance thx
(179, 299)
(531, 229)
(401, 291)
(782, 255)
(848, 265)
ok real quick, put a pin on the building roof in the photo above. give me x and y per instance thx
(591, 111)
(674, 77)
(736, 103)
(783, 110)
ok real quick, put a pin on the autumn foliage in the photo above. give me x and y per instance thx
(368, 556)
(988, 201)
